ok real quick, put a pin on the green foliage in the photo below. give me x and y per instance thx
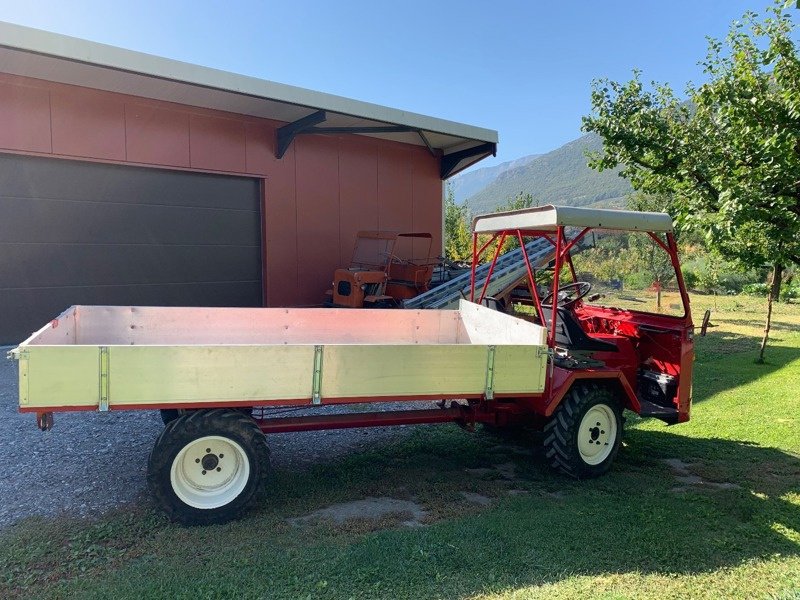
(689, 278)
(756, 289)
(518, 202)
(457, 238)
(729, 156)
(604, 261)
(790, 292)
(644, 252)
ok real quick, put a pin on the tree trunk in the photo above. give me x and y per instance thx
(774, 294)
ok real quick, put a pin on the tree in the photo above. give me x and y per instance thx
(729, 153)
(518, 202)
(457, 238)
(644, 251)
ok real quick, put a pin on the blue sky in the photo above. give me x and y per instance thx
(522, 68)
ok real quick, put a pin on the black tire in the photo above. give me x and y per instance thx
(172, 475)
(168, 415)
(570, 440)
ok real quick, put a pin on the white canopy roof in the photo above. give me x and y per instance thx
(53, 57)
(548, 218)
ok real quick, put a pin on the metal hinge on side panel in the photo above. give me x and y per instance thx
(316, 382)
(22, 356)
(489, 392)
(544, 351)
(103, 404)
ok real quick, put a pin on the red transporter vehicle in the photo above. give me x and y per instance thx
(217, 374)
(602, 358)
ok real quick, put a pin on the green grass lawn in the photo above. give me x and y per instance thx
(732, 529)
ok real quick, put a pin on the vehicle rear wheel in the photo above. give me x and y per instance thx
(168, 415)
(583, 436)
(208, 466)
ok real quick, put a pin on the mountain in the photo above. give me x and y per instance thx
(558, 177)
(472, 182)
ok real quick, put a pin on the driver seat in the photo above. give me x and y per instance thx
(570, 334)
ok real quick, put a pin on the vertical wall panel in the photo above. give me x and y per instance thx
(358, 190)
(217, 144)
(156, 135)
(24, 118)
(394, 188)
(280, 244)
(259, 147)
(88, 124)
(427, 197)
(318, 246)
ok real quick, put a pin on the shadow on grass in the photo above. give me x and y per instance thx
(639, 519)
(726, 360)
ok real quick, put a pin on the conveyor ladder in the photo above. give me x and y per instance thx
(508, 270)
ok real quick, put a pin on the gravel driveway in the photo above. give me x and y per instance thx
(91, 462)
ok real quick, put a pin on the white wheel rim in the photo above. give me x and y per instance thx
(597, 434)
(210, 472)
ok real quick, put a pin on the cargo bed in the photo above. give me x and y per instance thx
(112, 357)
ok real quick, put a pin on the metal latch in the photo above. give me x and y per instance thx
(316, 382)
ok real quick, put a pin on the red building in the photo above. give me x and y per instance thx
(127, 178)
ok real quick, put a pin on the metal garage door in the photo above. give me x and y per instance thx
(88, 233)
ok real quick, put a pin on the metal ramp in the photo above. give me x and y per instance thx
(509, 269)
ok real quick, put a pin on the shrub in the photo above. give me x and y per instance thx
(790, 292)
(734, 281)
(638, 280)
(755, 289)
(690, 278)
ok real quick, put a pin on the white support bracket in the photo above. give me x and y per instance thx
(102, 405)
(489, 391)
(316, 382)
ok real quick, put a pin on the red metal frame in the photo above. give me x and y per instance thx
(560, 380)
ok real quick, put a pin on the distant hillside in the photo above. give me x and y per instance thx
(472, 182)
(558, 177)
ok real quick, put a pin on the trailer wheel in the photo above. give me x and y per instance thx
(583, 435)
(208, 466)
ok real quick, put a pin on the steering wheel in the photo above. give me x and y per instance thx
(568, 294)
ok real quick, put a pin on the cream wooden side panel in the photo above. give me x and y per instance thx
(59, 376)
(174, 326)
(58, 332)
(403, 370)
(519, 369)
(486, 326)
(191, 374)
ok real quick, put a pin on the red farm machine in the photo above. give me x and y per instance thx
(568, 369)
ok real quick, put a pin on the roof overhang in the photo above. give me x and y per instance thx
(549, 218)
(53, 57)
